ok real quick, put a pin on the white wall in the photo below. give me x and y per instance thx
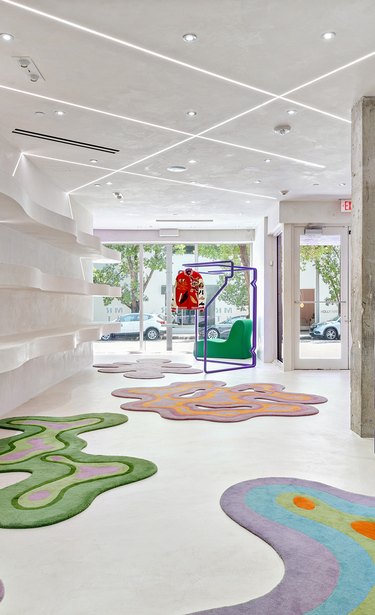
(24, 311)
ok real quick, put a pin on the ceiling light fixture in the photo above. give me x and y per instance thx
(291, 111)
(176, 169)
(108, 183)
(186, 65)
(190, 135)
(247, 201)
(17, 163)
(342, 184)
(190, 37)
(191, 113)
(93, 160)
(24, 62)
(39, 113)
(328, 36)
(164, 179)
(258, 181)
(267, 160)
(315, 184)
(97, 185)
(118, 195)
(192, 161)
(7, 37)
(34, 78)
(282, 129)
(59, 112)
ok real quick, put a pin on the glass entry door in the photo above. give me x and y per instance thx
(321, 298)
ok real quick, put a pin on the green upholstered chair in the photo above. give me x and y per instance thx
(237, 346)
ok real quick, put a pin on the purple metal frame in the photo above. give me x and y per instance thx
(228, 269)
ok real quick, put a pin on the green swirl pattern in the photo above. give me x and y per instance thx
(63, 480)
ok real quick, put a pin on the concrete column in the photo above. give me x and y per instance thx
(363, 268)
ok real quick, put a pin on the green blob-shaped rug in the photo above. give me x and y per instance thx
(64, 480)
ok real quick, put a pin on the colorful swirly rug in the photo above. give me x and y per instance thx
(326, 538)
(64, 480)
(211, 400)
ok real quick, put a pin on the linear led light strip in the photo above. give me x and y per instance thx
(192, 67)
(165, 179)
(174, 130)
(124, 43)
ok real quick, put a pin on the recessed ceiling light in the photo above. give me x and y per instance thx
(190, 37)
(6, 37)
(59, 112)
(328, 36)
(39, 113)
(247, 201)
(315, 184)
(191, 113)
(267, 160)
(192, 161)
(291, 111)
(342, 184)
(109, 183)
(93, 160)
(97, 185)
(176, 169)
(258, 181)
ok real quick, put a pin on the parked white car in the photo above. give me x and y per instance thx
(330, 330)
(153, 327)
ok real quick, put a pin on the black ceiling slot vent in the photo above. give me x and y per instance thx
(40, 135)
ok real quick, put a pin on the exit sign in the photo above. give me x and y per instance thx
(346, 205)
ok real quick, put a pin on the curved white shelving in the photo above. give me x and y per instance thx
(15, 350)
(22, 214)
(30, 278)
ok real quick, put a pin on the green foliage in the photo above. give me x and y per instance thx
(326, 260)
(237, 291)
(125, 274)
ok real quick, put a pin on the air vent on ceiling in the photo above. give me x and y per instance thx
(174, 220)
(41, 135)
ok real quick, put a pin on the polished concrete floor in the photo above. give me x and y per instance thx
(163, 546)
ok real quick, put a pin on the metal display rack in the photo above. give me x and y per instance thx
(228, 269)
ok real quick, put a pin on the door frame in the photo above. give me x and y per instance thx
(321, 363)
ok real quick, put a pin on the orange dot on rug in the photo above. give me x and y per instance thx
(366, 528)
(305, 503)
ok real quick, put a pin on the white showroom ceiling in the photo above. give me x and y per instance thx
(126, 79)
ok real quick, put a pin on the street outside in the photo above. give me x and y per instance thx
(183, 342)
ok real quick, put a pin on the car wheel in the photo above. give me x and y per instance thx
(213, 334)
(331, 333)
(106, 337)
(152, 334)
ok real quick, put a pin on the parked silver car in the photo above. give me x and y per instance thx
(222, 329)
(153, 327)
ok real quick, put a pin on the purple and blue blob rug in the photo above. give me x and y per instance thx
(325, 537)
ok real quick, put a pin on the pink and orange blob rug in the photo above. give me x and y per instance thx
(211, 400)
(325, 537)
(147, 368)
(63, 480)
